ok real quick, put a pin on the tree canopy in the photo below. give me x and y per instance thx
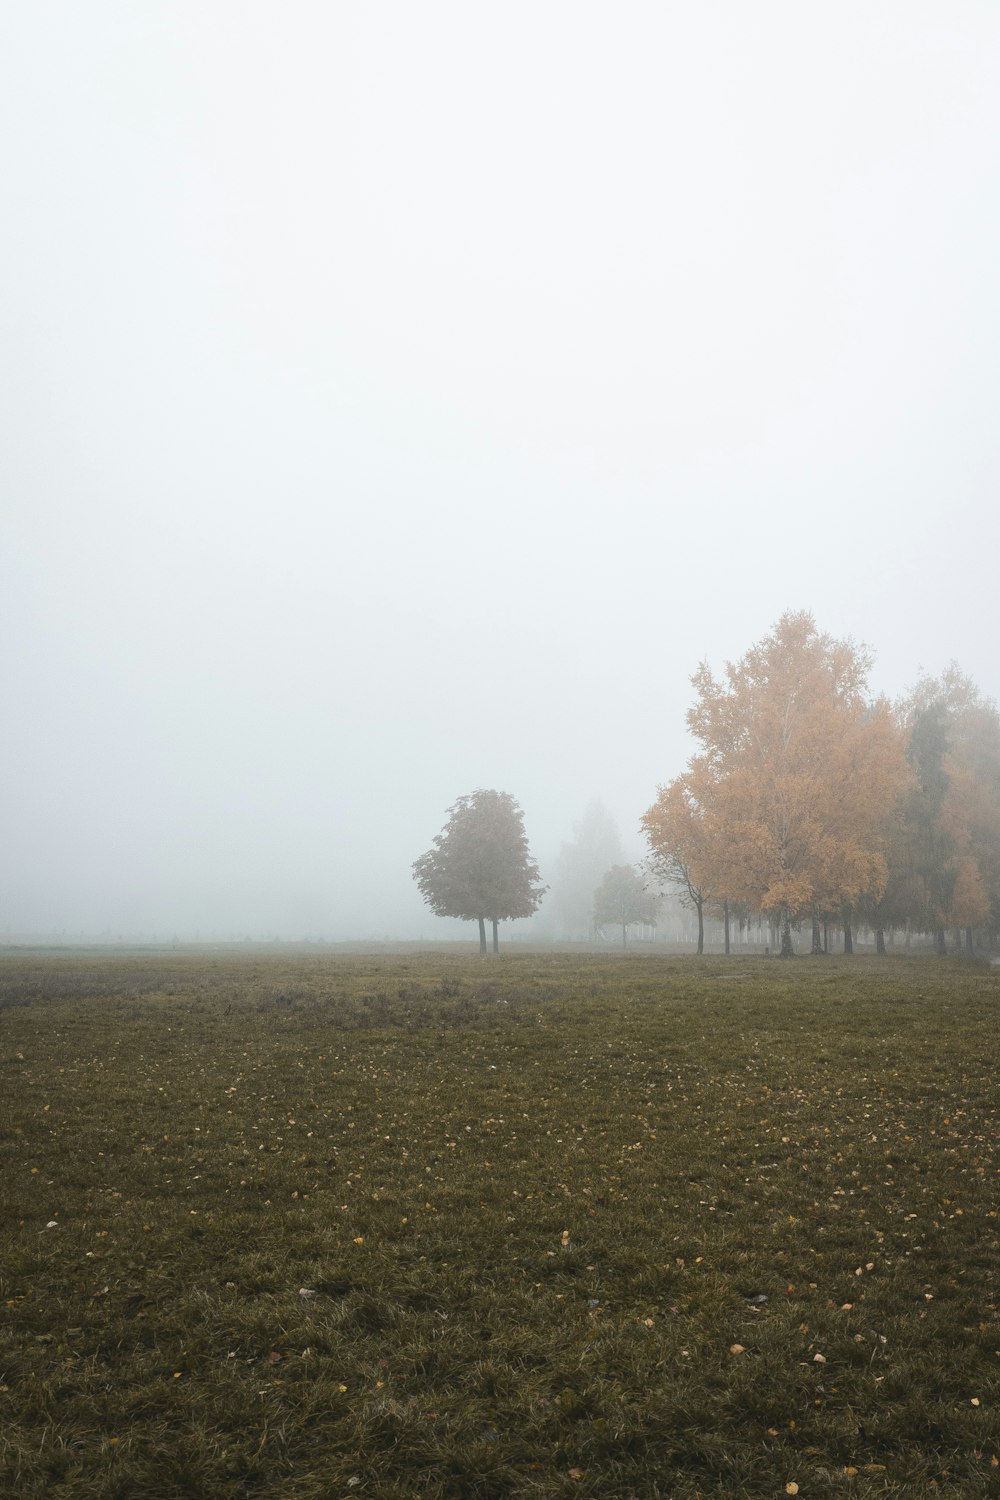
(480, 868)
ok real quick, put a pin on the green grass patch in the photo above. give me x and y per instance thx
(539, 1226)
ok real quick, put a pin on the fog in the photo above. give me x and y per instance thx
(402, 399)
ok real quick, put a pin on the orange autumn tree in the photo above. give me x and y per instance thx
(682, 845)
(688, 848)
(795, 779)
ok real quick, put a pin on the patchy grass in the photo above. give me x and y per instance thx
(542, 1226)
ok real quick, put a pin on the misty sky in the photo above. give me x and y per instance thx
(402, 398)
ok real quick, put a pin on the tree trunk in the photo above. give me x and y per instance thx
(817, 941)
(942, 942)
(969, 944)
(848, 935)
(482, 934)
(496, 936)
(787, 951)
(880, 941)
(826, 935)
(725, 918)
(701, 927)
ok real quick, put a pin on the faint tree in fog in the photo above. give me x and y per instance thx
(946, 863)
(480, 867)
(622, 898)
(594, 848)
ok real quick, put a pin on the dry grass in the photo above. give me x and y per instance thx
(550, 1225)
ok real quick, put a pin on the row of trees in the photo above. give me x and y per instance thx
(810, 801)
(807, 800)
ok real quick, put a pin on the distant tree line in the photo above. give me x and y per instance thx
(808, 803)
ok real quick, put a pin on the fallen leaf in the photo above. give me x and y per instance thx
(819, 1359)
(737, 1349)
(575, 1473)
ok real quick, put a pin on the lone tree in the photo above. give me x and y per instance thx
(480, 866)
(622, 898)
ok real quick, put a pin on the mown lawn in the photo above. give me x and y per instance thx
(548, 1225)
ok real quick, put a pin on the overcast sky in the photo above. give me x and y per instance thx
(398, 399)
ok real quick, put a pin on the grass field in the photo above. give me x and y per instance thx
(548, 1225)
